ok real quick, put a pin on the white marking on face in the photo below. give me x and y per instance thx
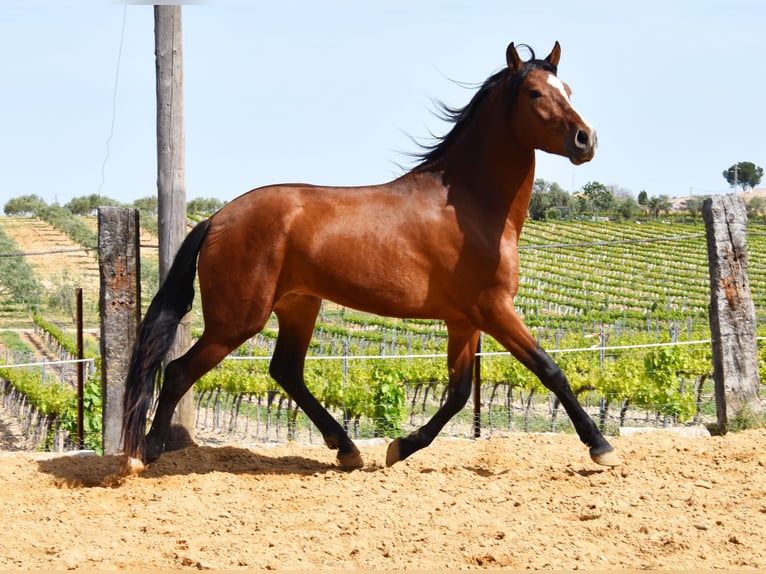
(559, 85)
(556, 83)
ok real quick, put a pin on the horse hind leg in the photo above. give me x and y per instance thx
(461, 353)
(179, 377)
(297, 315)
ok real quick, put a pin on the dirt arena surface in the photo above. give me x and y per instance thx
(517, 502)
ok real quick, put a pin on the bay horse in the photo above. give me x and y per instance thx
(439, 242)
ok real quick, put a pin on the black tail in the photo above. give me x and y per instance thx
(155, 336)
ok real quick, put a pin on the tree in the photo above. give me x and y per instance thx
(88, 204)
(204, 205)
(659, 204)
(643, 202)
(627, 208)
(25, 205)
(147, 205)
(549, 200)
(625, 205)
(694, 206)
(744, 174)
(600, 198)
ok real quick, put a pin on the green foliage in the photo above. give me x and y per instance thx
(505, 369)
(24, 205)
(70, 225)
(549, 201)
(147, 213)
(627, 208)
(355, 399)
(12, 341)
(17, 280)
(59, 217)
(62, 295)
(745, 419)
(664, 367)
(147, 205)
(238, 377)
(756, 208)
(88, 204)
(67, 342)
(150, 277)
(658, 205)
(583, 371)
(92, 408)
(49, 397)
(600, 199)
(387, 398)
(744, 174)
(205, 206)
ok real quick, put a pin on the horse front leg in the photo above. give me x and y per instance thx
(508, 329)
(461, 352)
(297, 316)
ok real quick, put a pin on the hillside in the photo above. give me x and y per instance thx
(60, 265)
(623, 271)
(581, 283)
(573, 274)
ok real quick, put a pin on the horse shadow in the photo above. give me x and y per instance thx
(69, 471)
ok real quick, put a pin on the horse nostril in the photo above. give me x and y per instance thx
(583, 140)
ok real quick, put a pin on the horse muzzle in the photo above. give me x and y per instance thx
(582, 146)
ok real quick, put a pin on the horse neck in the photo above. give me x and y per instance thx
(488, 168)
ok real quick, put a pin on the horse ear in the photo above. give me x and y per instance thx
(513, 59)
(554, 56)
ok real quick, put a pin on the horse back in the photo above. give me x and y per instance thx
(398, 249)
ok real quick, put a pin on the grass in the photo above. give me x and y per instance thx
(12, 341)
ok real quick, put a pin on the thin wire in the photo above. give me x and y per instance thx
(45, 363)
(487, 354)
(114, 100)
(53, 252)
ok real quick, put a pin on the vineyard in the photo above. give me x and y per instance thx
(594, 293)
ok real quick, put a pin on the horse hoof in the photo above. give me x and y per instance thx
(130, 466)
(392, 454)
(350, 460)
(608, 458)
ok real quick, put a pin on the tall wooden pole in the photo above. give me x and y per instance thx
(171, 183)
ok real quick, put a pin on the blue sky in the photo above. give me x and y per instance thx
(331, 92)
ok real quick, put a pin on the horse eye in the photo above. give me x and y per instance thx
(534, 94)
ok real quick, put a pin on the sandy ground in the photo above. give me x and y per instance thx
(517, 502)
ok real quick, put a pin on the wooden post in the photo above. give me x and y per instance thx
(477, 390)
(732, 315)
(120, 310)
(80, 372)
(171, 184)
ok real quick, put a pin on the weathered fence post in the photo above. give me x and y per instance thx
(732, 315)
(477, 390)
(120, 310)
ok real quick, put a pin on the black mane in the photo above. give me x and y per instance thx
(462, 117)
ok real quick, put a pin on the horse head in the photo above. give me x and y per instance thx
(541, 114)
